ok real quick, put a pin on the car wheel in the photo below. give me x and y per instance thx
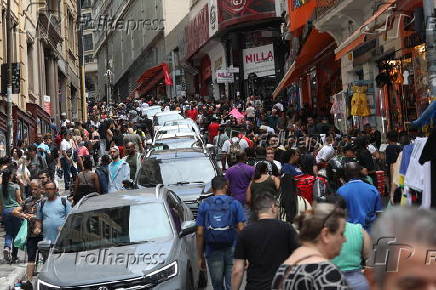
(190, 281)
(202, 279)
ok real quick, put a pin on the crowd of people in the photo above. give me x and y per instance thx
(300, 196)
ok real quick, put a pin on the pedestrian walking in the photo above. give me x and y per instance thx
(10, 198)
(239, 177)
(321, 233)
(102, 172)
(51, 213)
(219, 218)
(264, 244)
(86, 182)
(119, 171)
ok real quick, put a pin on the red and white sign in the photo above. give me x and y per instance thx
(224, 76)
(47, 104)
(259, 60)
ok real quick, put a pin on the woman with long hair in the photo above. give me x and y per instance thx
(262, 183)
(291, 204)
(87, 181)
(309, 267)
(10, 197)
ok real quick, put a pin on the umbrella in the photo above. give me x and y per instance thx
(235, 113)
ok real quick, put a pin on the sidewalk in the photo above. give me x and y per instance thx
(9, 274)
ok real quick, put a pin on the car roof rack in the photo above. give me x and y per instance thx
(86, 197)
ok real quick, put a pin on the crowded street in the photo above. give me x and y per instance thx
(218, 144)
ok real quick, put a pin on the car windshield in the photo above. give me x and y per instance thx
(165, 118)
(176, 171)
(175, 130)
(113, 227)
(176, 143)
(153, 111)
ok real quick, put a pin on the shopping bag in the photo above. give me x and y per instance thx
(21, 238)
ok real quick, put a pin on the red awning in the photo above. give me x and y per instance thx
(315, 44)
(357, 38)
(151, 77)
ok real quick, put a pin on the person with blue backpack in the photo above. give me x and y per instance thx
(219, 219)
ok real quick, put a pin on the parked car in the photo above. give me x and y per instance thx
(150, 112)
(187, 172)
(186, 121)
(160, 118)
(139, 239)
(175, 137)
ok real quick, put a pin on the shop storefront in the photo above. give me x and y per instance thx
(42, 119)
(24, 126)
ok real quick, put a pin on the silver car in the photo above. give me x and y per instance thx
(139, 239)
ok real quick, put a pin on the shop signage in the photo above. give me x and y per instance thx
(259, 60)
(224, 76)
(197, 31)
(231, 12)
(47, 104)
(213, 17)
(233, 69)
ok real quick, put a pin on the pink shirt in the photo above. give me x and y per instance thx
(83, 151)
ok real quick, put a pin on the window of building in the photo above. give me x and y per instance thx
(87, 42)
(86, 4)
(70, 30)
(30, 66)
(86, 21)
(89, 58)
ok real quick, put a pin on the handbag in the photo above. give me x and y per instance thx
(21, 238)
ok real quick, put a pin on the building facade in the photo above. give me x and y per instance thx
(44, 47)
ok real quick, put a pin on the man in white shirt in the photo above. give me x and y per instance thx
(327, 151)
(234, 142)
(251, 112)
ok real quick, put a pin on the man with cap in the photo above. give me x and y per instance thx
(119, 171)
(64, 120)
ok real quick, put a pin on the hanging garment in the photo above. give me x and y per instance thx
(418, 177)
(359, 102)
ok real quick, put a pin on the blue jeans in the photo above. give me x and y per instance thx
(220, 263)
(69, 170)
(356, 280)
(12, 226)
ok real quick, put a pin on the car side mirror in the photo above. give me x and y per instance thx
(187, 228)
(44, 247)
(149, 142)
(210, 147)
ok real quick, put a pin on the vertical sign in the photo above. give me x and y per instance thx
(213, 17)
(47, 104)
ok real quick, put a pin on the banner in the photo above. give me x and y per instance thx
(224, 76)
(167, 77)
(259, 60)
(213, 17)
(47, 104)
(237, 11)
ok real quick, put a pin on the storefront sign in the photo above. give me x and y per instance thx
(231, 12)
(213, 17)
(47, 104)
(197, 32)
(224, 76)
(259, 60)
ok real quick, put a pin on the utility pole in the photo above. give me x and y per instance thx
(9, 131)
(81, 61)
(430, 33)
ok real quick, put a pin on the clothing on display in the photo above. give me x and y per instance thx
(359, 102)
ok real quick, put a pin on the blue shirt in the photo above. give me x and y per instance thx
(363, 201)
(113, 168)
(238, 216)
(291, 169)
(53, 216)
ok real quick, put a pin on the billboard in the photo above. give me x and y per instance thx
(259, 60)
(236, 11)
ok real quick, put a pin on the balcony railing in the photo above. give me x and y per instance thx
(50, 22)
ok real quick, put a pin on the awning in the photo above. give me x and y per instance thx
(301, 15)
(315, 44)
(151, 77)
(357, 38)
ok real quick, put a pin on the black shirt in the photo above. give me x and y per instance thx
(266, 244)
(392, 152)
